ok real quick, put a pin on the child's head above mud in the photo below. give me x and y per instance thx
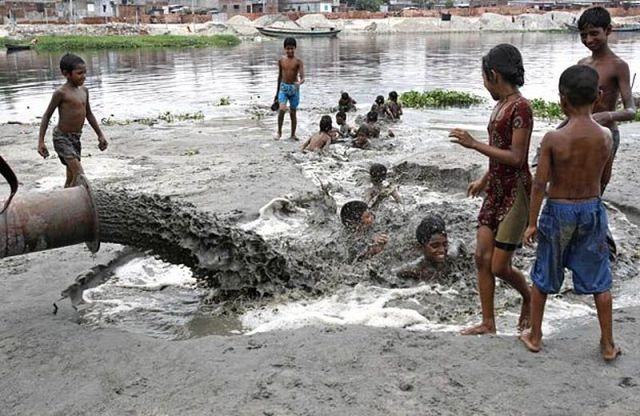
(355, 214)
(341, 117)
(344, 96)
(504, 64)
(379, 100)
(393, 96)
(594, 17)
(325, 124)
(432, 237)
(378, 173)
(578, 86)
(372, 116)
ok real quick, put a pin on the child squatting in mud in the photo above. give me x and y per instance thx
(72, 102)
(503, 216)
(380, 189)
(322, 139)
(358, 221)
(572, 229)
(431, 235)
(290, 77)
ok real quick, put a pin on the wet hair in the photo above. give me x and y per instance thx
(69, 62)
(325, 124)
(393, 95)
(351, 213)
(379, 99)
(372, 116)
(290, 42)
(378, 171)
(341, 114)
(596, 16)
(344, 96)
(506, 60)
(579, 84)
(363, 130)
(432, 224)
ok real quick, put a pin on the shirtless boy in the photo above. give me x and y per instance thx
(322, 139)
(72, 102)
(575, 161)
(290, 77)
(595, 27)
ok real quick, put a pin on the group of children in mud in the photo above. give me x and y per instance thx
(573, 169)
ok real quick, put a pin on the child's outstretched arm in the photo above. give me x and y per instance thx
(56, 99)
(102, 141)
(538, 189)
(515, 156)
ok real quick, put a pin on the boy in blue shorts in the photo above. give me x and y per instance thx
(290, 77)
(575, 161)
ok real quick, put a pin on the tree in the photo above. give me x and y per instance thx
(370, 5)
(448, 4)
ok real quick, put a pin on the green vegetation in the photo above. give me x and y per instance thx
(166, 117)
(546, 109)
(73, 42)
(224, 101)
(370, 5)
(439, 98)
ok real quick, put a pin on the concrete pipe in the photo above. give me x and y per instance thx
(44, 221)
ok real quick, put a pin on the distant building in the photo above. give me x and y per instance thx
(36, 10)
(233, 7)
(309, 6)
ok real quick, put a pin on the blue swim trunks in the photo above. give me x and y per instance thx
(572, 235)
(289, 92)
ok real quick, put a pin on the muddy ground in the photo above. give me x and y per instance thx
(49, 364)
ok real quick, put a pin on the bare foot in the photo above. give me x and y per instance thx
(528, 341)
(609, 352)
(294, 138)
(276, 136)
(525, 314)
(480, 329)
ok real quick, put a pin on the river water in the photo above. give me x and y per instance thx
(139, 83)
(144, 294)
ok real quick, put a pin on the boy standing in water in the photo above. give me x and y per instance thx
(575, 161)
(595, 27)
(503, 216)
(290, 77)
(72, 102)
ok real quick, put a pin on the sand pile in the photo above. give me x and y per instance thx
(242, 26)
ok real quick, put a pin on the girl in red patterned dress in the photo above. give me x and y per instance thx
(504, 213)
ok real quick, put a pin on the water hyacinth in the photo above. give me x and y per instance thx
(546, 109)
(439, 98)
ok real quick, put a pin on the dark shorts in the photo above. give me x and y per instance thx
(572, 235)
(67, 145)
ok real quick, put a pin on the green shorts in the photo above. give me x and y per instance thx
(511, 229)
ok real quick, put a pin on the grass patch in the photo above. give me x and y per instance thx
(167, 117)
(546, 109)
(439, 98)
(73, 42)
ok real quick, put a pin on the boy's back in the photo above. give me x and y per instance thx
(579, 154)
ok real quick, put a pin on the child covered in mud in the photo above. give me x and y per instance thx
(361, 240)
(571, 231)
(381, 189)
(72, 102)
(434, 245)
(346, 103)
(507, 182)
(382, 108)
(361, 141)
(290, 77)
(322, 139)
(371, 123)
(344, 130)
(394, 107)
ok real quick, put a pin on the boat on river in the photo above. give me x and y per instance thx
(314, 32)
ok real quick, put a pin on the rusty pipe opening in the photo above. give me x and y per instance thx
(44, 221)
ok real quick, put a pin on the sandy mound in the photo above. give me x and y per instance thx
(269, 19)
(314, 20)
(242, 26)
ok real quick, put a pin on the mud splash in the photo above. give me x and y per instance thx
(236, 264)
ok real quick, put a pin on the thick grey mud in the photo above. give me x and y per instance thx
(236, 264)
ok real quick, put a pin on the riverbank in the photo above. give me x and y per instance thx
(246, 28)
(53, 365)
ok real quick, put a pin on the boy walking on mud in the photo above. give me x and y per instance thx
(290, 77)
(72, 102)
(595, 27)
(575, 161)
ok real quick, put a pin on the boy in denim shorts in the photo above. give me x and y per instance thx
(290, 77)
(575, 161)
(72, 102)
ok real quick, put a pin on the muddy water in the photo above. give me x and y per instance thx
(256, 267)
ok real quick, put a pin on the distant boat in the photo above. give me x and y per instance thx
(631, 27)
(314, 32)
